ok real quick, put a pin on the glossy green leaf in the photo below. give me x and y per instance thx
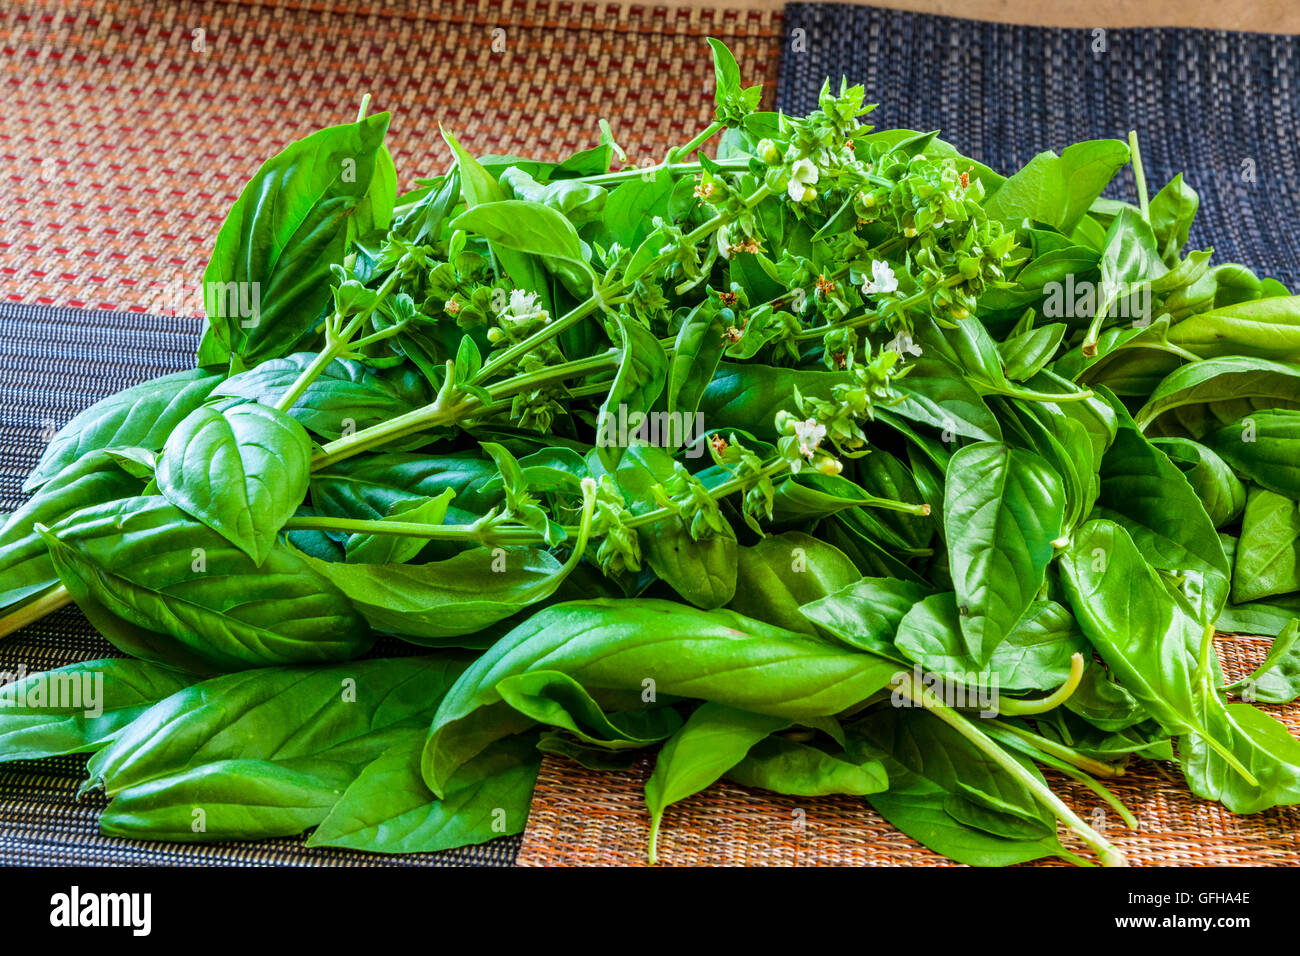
(1221, 492)
(94, 478)
(268, 279)
(1002, 513)
(797, 769)
(1262, 328)
(712, 741)
(1277, 679)
(388, 809)
(439, 602)
(555, 699)
(866, 613)
(398, 549)
(242, 471)
(714, 655)
(144, 561)
(1058, 190)
(327, 721)
(1265, 447)
(1035, 656)
(784, 571)
(1148, 494)
(1267, 561)
(1201, 396)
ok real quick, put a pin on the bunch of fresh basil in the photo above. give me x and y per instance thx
(838, 463)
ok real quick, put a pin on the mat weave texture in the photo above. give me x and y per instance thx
(129, 127)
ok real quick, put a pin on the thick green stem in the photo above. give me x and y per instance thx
(1095, 767)
(701, 138)
(1007, 735)
(1030, 395)
(414, 529)
(412, 423)
(34, 608)
(1020, 708)
(1139, 175)
(336, 346)
(649, 172)
(919, 694)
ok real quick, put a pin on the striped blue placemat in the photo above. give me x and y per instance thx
(1222, 108)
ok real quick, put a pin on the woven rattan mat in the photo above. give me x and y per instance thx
(130, 126)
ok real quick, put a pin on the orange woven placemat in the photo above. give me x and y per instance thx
(130, 126)
(580, 817)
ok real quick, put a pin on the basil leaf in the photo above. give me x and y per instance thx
(1002, 513)
(1026, 354)
(326, 721)
(797, 769)
(866, 614)
(438, 602)
(1058, 190)
(242, 471)
(620, 644)
(397, 549)
(1200, 396)
(1035, 656)
(1277, 679)
(1267, 562)
(1220, 491)
(1264, 446)
(144, 561)
(95, 478)
(553, 698)
(642, 373)
(1142, 489)
(388, 809)
(268, 280)
(712, 741)
(782, 572)
(223, 800)
(1262, 328)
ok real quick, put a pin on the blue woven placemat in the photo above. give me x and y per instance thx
(1222, 108)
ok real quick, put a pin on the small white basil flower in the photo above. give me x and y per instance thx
(810, 434)
(882, 279)
(902, 344)
(803, 176)
(521, 302)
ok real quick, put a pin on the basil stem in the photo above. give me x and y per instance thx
(920, 694)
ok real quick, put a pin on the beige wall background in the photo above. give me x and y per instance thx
(1266, 16)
